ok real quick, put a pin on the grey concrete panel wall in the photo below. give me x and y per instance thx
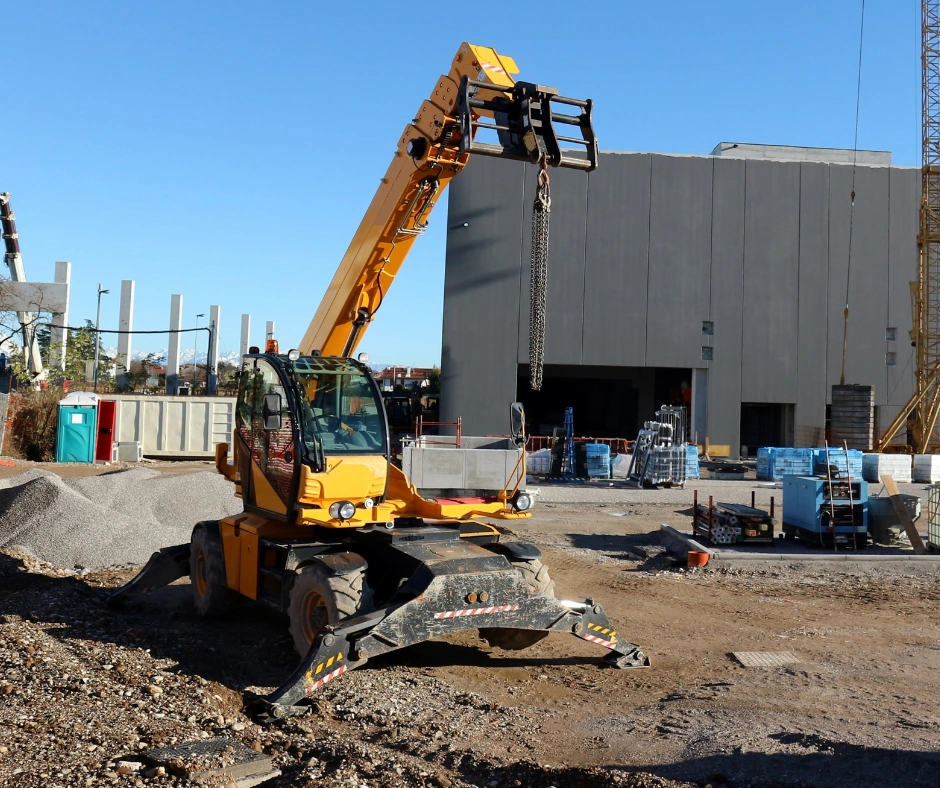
(565, 302)
(723, 424)
(771, 281)
(868, 280)
(617, 262)
(902, 249)
(680, 259)
(528, 187)
(812, 314)
(481, 295)
(760, 248)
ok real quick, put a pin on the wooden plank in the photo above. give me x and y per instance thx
(903, 514)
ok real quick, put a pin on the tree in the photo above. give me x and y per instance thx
(228, 376)
(434, 382)
(13, 333)
(79, 350)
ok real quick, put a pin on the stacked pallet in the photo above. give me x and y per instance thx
(853, 416)
(927, 468)
(773, 463)
(897, 466)
(732, 522)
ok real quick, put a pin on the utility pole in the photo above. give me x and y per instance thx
(97, 340)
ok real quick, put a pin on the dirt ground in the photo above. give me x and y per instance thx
(859, 709)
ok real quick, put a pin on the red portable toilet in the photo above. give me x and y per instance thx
(107, 413)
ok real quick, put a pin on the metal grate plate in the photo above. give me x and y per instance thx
(765, 659)
(211, 757)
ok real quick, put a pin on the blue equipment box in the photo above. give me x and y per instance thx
(819, 511)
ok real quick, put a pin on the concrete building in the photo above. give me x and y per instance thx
(716, 280)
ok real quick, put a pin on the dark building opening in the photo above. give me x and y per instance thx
(608, 402)
(765, 424)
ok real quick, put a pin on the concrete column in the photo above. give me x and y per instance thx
(699, 415)
(246, 335)
(212, 357)
(59, 336)
(126, 324)
(268, 331)
(173, 353)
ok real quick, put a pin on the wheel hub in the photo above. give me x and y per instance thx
(315, 615)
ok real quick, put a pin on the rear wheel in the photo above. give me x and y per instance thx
(320, 599)
(536, 577)
(211, 593)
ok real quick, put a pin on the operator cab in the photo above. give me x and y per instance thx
(298, 411)
(340, 406)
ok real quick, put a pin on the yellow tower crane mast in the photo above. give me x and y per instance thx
(921, 412)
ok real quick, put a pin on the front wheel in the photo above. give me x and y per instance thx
(319, 599)
(537, 579)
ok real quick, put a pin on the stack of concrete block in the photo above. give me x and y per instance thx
(897, 466)
(927, 468)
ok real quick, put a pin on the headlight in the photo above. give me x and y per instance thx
(342, 510)
(523, 502)
(368, 503)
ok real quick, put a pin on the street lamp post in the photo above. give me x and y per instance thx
(196, 350)
(101, 292)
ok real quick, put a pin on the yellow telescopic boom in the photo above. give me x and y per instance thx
(433, 148)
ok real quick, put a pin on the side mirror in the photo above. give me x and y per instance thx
(271, 412)
(517, 423)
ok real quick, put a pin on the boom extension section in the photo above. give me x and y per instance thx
(519, 120)
(523, 119)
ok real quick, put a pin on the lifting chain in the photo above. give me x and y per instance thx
(539, 283)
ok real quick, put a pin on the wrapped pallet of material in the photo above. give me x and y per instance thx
(692, 468)
(598, 460)
(836, 458)
(539, 463)
(773, 463)
(927, 468)
(897, 466)
(620, 466)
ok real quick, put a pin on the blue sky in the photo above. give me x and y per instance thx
(227, 150)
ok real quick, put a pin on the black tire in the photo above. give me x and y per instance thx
(211, 593)
(319, 598)
(537, 580)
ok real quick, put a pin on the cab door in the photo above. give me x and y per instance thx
(267, 458)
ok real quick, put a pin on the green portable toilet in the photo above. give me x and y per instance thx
(77, 429)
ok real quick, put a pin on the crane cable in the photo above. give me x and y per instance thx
(848, 271)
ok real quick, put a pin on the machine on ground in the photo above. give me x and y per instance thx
(333, 534)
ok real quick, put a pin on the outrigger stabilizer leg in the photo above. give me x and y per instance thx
(431, 614)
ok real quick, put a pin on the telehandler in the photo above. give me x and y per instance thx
(332, 532)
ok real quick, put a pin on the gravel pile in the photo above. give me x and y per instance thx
(107, 520)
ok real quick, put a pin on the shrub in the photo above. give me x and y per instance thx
(33, 428)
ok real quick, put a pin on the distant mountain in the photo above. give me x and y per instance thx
(186, 355)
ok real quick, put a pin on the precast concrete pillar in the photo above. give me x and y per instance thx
(173, 352)
(126, 325)
(212, 357)
(58, 334)
(246, 335)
